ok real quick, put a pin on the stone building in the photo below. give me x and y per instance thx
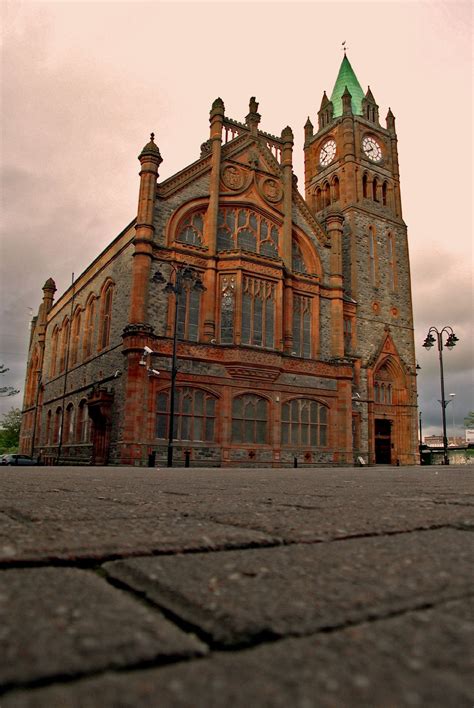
(288, 319)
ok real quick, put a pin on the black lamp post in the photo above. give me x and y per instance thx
(184, 276)
(449, 344)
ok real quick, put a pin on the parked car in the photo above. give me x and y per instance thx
(17, 460)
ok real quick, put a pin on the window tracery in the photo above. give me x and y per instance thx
(249, 419)
(227, 309)
(304, 422)
(297, 258)
(192, 229)
(258, 312)
(194, 415)
(302, 325)
(246, 229)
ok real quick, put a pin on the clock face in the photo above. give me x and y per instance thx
(372, 149)
(328, 153)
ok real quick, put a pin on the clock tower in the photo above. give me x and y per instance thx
(351, 172)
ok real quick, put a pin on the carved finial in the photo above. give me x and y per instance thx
(50, 285)
(287, 134)
(151, 149)
(344, 47)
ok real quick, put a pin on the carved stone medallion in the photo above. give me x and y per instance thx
(272, 190)
(232, 177)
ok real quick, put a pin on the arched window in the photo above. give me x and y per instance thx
(54, 352)
(32, 379)
(246, 229)
(57, 426)
(383, 386)
(384, 193)
(69, 424)
(327, 194)
(335, 189)
(75, 336)
(89, 326)
(194, 415)
(391, 262)
(319, 199)
(302, 325)
(249, 419)
(47, 434)
(83, 424)
(297, 258)
(63, 353)
(258, 312)
(106, 315)
(372, 256)
(375, 185)
(304, 423)
(364, 185)
(227, 309)
(191, 229)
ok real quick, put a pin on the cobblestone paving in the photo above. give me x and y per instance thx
(263, 587)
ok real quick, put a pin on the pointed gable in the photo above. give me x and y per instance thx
(346, 78)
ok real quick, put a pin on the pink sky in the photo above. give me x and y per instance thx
(84, 83)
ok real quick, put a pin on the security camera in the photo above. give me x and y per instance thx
(147, 350)
(153, 372)
(213, 341)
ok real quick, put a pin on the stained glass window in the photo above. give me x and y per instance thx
(249, 419)
(304, 423)
(227, 309)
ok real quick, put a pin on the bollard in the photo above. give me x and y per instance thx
(187, 456)
(295, 462)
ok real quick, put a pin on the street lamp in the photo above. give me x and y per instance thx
(181, 276)
(449, 344)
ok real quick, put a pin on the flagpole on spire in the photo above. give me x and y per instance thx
(344, 47)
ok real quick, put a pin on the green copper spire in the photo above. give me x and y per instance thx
(346, 77)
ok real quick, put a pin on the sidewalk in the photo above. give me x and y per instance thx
(236, 588)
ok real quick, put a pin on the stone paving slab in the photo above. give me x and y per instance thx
(103, 538)
(238, 596)
(418, 659)
(66, 621)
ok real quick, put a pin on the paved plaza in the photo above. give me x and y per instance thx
(205, 588)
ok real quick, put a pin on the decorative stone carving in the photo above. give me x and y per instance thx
(271, 190)
(243, 372)
(232, 177)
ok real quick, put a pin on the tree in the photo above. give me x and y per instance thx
(469, 420)
(7, 390)
(10, 430)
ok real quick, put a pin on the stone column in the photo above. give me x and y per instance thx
(334, 222)
(150, 160)
(209, 298)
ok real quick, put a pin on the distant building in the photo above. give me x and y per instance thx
(298, 342)
(437, 441)
(470, 435)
